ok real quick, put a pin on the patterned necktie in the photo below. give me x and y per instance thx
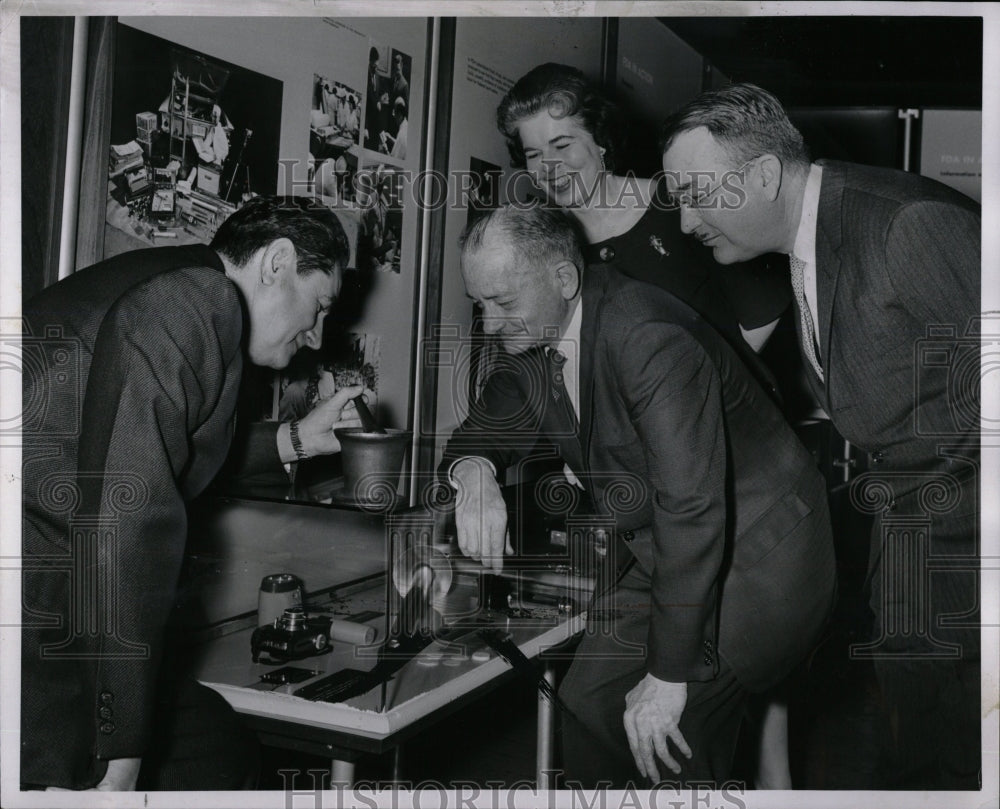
(797, 266)
(559, 393)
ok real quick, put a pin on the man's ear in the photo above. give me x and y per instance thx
(277, 261)
(771, 170)
(568, 275)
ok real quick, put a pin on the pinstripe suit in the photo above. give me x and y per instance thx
(735, 573)
(898, 258)
(129, 415)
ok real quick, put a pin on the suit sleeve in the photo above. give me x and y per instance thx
(254, 453)
(157, 422)
(504, 424)
(674, 398)
(932, 246)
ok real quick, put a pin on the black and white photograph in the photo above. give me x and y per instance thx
(388, 102)
(595, 407)
(483, 186)
(378, 190)
(191, 137)
(334, 126)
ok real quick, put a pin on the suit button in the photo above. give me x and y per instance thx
(107, 728)
(708, 660)
(607, 253)
(107, 698)
(628, 536)
(105, 713)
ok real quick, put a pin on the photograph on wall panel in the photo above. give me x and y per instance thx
(379, 191)
(334, 126)
(387, 102)
(192, 137)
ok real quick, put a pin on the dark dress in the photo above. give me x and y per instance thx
(751, 294)
(655, 250)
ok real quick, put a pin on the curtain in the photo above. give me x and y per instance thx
(46, 59)
(96, 137)
(46, 65)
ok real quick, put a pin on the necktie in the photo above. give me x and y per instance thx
(559, 394)
(797, 266)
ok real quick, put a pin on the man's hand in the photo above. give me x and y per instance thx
(652, 714)
(480, 513)
(121, 776)
(316, 428)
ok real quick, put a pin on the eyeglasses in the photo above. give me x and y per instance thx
(697, 196)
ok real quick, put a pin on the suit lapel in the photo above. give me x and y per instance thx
(829, 237)
(594, 287)
(557, 420)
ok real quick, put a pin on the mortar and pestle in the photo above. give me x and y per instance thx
(372, 460)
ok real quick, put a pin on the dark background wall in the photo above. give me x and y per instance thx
(847, 61)
(46, 54)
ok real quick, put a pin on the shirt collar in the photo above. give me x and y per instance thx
(805, 237)
(569, 343)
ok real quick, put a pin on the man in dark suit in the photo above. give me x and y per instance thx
(131, 382)
(886, 271)
(727, 572)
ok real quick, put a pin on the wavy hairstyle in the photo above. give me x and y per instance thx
(746, 120)
(315, 231)
(537, 234)
(563, 91)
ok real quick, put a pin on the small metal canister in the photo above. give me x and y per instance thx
(278, 592)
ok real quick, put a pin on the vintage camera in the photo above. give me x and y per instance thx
(293, 636)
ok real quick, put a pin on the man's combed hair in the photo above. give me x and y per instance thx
(562, 91)
(745, 119)
(538, 234)
(319, 238)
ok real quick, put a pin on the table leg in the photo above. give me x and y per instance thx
(343, 773)
(546, 721)
(397, 764)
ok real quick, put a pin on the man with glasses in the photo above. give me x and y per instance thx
(885, 267)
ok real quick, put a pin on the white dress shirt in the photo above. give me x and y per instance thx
(805, 244)
(569, 346)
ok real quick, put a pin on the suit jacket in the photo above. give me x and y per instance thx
(136, 366)
(898, 254)
(897, 286)
(716, 496)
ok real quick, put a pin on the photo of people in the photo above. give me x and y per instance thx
(192, 137)
(483, 187)
(387, 102)
(379, 197)
(345, 360)
(332, 177)
(334, 128)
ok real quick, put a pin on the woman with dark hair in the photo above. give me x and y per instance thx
(569, 136)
